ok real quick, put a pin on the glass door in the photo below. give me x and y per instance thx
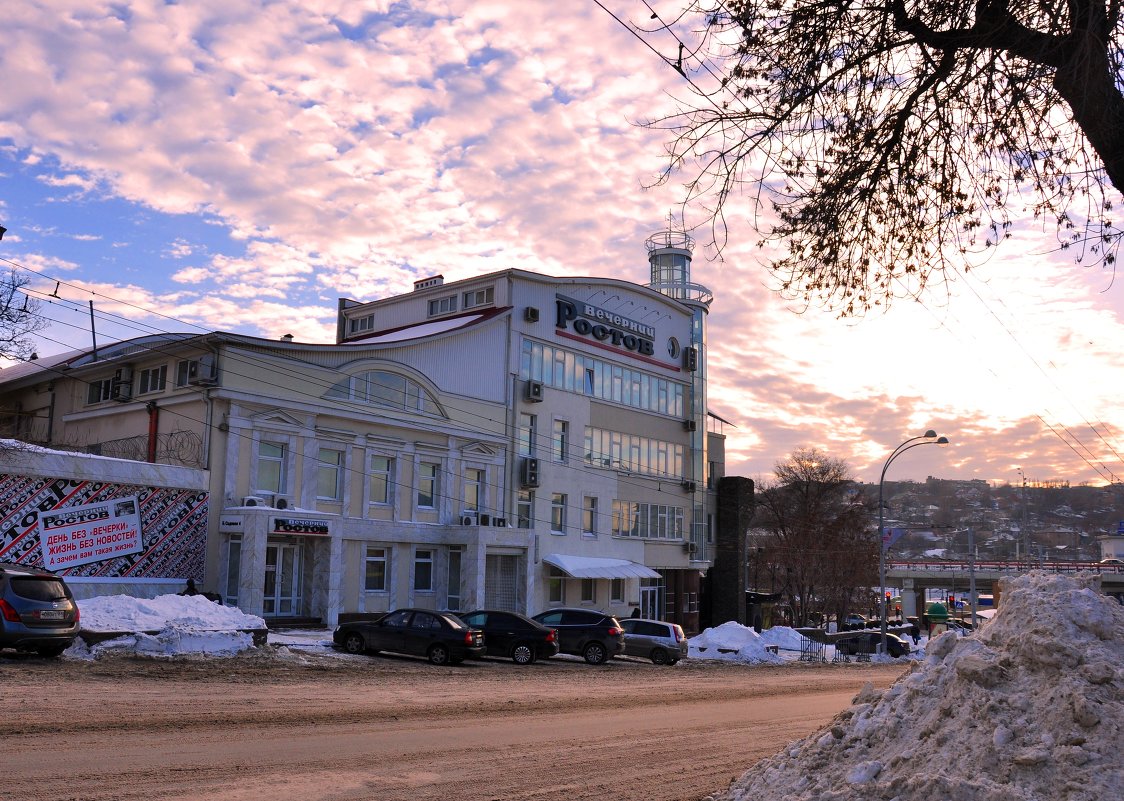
(282, 580)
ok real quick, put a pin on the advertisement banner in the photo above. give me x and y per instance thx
(78, 535)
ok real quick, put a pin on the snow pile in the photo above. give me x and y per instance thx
(1028, 708)
(168, 625)
(733, 642)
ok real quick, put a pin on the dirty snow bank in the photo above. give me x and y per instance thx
(1028, 708)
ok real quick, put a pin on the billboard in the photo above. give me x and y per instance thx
(93, 532)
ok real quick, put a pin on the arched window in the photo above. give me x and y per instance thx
(381, 388)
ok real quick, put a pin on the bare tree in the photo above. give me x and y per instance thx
(19, 317)
(818, 534)
(893, 142)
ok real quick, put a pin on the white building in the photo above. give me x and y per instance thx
(507, 441)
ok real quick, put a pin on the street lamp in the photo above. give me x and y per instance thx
(928, 438)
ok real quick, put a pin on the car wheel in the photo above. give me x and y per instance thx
(438, 654)
(353, 643)
(50, 651)
(660, 657)
(522, 654)
(595, 654)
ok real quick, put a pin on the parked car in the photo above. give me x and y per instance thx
(441, 637)
(868, 641)
(594, 636)
(37, 610)
(512, 635)
(662, 642)
(854, 623)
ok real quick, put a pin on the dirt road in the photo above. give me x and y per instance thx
(328, 728)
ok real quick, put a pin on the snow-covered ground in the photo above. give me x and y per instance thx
(172, 626)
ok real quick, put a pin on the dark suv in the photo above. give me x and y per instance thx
(594, 636)
(37, 611)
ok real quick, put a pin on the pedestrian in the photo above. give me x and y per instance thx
(915, 633)
(635, 612)
(190, 588)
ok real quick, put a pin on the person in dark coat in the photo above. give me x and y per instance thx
(190, 588)
(635, 612)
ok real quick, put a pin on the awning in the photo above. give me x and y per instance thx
(598, 567)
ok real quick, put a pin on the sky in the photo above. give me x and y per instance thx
(241, 165)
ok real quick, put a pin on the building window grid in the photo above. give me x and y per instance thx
(445, 305)
(478, 297)
(381, 480)
(561, 440)
(637, 454)
(647, 520)
(528, 432)
(525, 509)
(99, 390)
(153, 380)
(270, 473)
(589, 515)
(423, 570)
(329, 474)
(616, 590)
(358, 324)
(428, 485)
(382, 388)
(589, 591)
(376, 562)
(574, 372)
(558, 513)
(474, 483)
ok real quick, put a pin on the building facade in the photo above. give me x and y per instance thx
(511, 441)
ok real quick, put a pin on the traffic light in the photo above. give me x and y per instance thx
(951, 600)
(888, 597)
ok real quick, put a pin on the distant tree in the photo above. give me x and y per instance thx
(892, 140)
(19, 317)
(817, 534)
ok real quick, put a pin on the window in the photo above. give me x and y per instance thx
(561, 440)
(153, 380)
(473, 489)
(445, 305)
(589, 515)
(616, 589)
(647, 520)
(99, 390)
(556, 586)
(186, 369)
(423, 571)
(358, 324)
(558, 513)
(271, 467)
(329, 471)
(528, 425)
(589, 591)
(380, 478)
(382, 388)
(478, 297)
(453, 585)
(525, 509)
(375, 574)
(427, 485)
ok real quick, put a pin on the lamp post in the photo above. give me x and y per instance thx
(928, 438)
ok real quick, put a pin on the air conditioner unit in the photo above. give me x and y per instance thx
(689, 547)
(690, 425)
(690, 359)
(468, 520)
(121, 391)
(282, 502)
(124, 373)
(485, 519)
(529, 473)
(689, 486)
(531, 314)
(499, 522)
(253, 500)
(533, 391)
(202, 372)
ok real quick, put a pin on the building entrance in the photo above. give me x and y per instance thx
(282, 580)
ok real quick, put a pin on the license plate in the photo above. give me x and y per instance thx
(51, 614)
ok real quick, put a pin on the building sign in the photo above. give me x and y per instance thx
(293, 525)
(94, 532)
(605, 326)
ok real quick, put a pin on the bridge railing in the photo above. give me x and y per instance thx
(1008, 566)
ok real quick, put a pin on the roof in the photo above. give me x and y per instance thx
(598, 567)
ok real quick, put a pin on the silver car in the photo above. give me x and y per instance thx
(37, 611)
(662, 642)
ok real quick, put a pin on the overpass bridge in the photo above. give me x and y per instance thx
(913, 577)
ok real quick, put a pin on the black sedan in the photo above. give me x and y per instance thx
(440, 637)
(868, 642)
(509, 634)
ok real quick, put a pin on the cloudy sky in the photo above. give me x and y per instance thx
(240, 165)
